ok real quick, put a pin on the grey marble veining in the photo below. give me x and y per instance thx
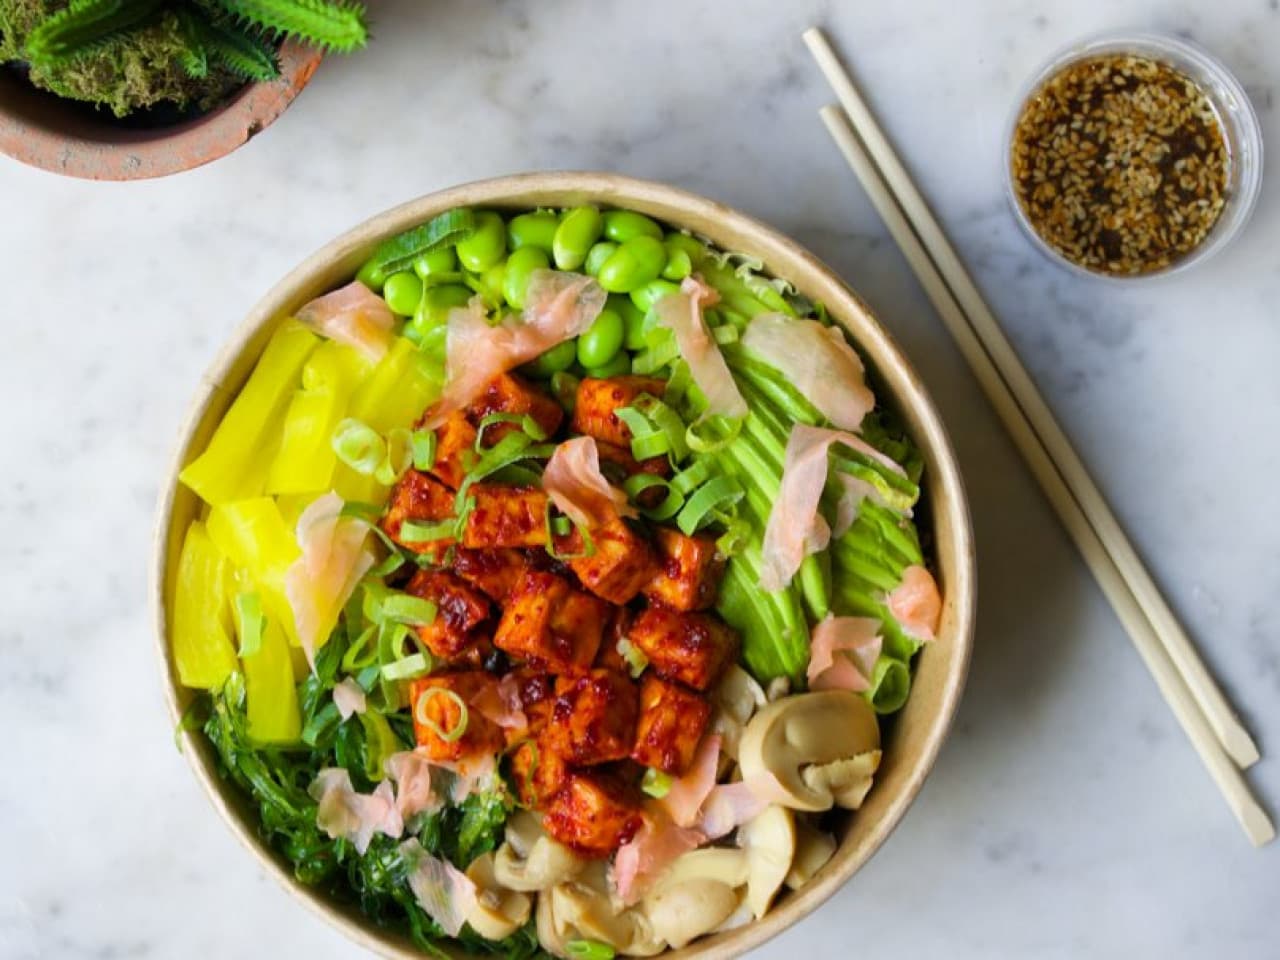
(1067, 816)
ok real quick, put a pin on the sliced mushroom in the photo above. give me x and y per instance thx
(813, 849)
(769, 842)
(499, 911)
(778, 688)
(797, 732)
(683, 911)
(736, 698)
(530, 860)
(848, 781)
(582, 909)
(723, 864)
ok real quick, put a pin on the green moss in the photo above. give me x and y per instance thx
(138, 70)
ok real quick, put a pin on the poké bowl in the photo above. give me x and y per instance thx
(911, 741)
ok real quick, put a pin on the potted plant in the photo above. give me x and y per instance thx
(121, 89)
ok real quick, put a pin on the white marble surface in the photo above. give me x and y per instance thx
(1067, 817)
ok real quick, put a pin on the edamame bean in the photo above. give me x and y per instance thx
(486, 245)
(522, 262)
(402, 291)
(491, 285)
(653, 291)
(620, 364)
(597, 255)
(695, 249)
(633, 264)
(371, 277)
(537, 229)
(558, 358)
(433, 308)
(442, 260)
(632, 320)
(602, 340)
(623, 225)
(678, 265)
(578, 230)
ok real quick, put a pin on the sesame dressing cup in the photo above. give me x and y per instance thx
(1241, 135)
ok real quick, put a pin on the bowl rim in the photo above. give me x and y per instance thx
(337, 259)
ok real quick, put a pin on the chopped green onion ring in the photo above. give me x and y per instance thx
(638, 483)
(398, 458)
(589, 950)
(358, 446)
(406, 668)
(656, 783)
(362, 653)
(419, 714)
(698, 510)
(719, 432)
(528, 426)
(414, 531)
(635, 658)
(424, 449)
(408, 609)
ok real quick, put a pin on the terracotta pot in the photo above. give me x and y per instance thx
(911, 740)
(70, 138)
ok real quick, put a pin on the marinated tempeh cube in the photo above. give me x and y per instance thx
(693, 648)
(689, 570)
(593, 719)
(455, 449)
(418, 497)
(437, 716)
(494, 572)
(509, 393)
(506, 517)
(593, 813)
(460, 609)
(619, 565)
(549, 622)
(597, 400)
(672, 721)
(537, 772)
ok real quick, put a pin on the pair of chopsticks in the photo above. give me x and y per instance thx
(1198, 704)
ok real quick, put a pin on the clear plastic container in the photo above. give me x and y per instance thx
(1241, 130)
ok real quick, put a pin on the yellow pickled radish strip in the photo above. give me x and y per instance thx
(305, 460)
(203, 650)
(398, 391)
(272, 698)
(254, 536)
(231, 466)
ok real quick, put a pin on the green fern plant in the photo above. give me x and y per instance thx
(202, 40)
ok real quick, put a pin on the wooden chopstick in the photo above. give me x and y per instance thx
(1186, 709)
(1222, 719)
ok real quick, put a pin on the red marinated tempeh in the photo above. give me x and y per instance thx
(693, 648)
(597, 400)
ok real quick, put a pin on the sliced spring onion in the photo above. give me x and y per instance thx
(528, 426)
(656, 783)
(369, 512)
(725, 333)
(634, 657)
(359, 446)
(553, 526)
(398, 458)
(692, 477)
(390, 564)
(414, 665)
(664, 418)
(717, 493)
(423, 443)
(421, 716)
(655, 357)
(589, 950)
(736, 536)
(713, 433)
(407, 609)
(678, 383)
(416, 531)
(249, 622)
(362, 653)
(638, 483)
